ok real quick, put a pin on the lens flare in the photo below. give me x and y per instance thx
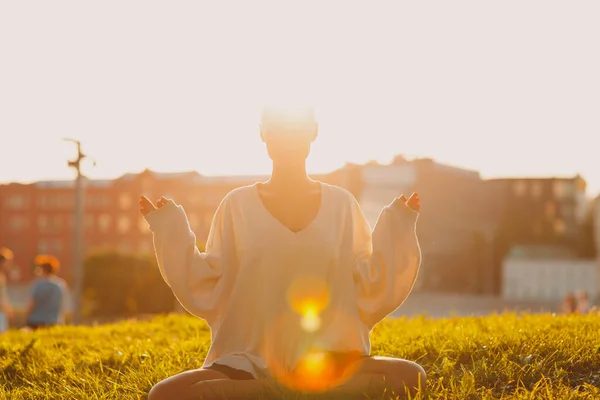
(319, 371)
(310, 321)
(314, 368)
(308, 295)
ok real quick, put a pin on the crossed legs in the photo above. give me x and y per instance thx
(373, 377)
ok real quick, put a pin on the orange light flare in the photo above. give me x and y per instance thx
(308, 297)
(319, 371)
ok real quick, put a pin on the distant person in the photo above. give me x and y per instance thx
(6, 312)
(569, 305)
(292, 280)
(46, 306)
(583, 302)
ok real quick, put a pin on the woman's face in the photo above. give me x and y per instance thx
(288, 137)
(288, 146)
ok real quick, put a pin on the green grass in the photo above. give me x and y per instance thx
(508, 357)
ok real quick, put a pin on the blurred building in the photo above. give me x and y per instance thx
(38, 217)
(455, 228)
(546, 273)
(536, 211)
(467, 228)
(596, 219)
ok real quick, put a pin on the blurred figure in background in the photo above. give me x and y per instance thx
(583, 302)
(569, 305)
(6, 311)
(46, 305)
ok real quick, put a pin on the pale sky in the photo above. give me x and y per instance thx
(508, 88)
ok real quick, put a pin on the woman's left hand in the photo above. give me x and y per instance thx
(413, 202)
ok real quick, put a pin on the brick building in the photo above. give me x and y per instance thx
(38, 218)
(534, 212)
(596, 221)
(455, 228)
(466, 229)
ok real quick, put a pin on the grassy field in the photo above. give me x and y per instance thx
(508, 357)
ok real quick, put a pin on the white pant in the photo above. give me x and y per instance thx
(3, 322)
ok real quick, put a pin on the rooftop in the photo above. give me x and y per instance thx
(71, 183)
(535, 178)
(541, 252)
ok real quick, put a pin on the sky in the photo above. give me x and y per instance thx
(508, 88)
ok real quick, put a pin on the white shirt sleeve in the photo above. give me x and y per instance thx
(198, 280)
(386, 261)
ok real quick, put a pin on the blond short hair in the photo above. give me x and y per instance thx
(48, 263)
(6, 254)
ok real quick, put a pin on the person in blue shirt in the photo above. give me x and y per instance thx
(46, 306)
(6, 311)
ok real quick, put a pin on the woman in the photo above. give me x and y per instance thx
(584, 306)
(6, 312)
(569, 305)
(292, 280)
(46, 306)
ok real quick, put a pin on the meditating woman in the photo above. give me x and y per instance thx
(292, 280)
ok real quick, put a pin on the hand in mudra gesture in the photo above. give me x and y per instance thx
(146, 206)
(413, 202)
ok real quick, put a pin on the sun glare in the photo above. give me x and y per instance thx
(310, 322)
(308, 295)
(318, 371)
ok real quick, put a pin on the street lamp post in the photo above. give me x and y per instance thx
(77, 265)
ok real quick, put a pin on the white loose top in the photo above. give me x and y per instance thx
(270, 295)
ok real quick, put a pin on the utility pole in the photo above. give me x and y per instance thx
(77, 264)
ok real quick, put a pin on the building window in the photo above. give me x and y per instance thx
(97, 201)
(123, 224)
(563, 189)
(43, 247)
(16, 202)
(18, 223)
(57, 222)
(537, 189)
(125, 201)
(559, 226)
(550, 208)
(89, 222)
(50, 201)
(104, 223)
(520, 188)
(42, 223)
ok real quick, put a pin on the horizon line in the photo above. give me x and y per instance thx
(322, 172)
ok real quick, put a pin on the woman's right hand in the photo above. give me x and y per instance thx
(146, 206)
(414, 202)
